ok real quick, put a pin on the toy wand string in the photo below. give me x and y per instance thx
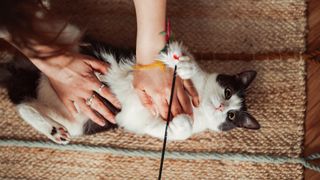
(168, 38)
(167, 124)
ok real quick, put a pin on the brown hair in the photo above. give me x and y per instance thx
(31, 23)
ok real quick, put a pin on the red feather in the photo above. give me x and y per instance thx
(176, 57)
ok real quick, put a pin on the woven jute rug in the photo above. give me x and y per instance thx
(276, 98)
(228, 26)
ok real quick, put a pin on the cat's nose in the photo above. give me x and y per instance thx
(220, 108)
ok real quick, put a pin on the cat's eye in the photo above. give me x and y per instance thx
(227, 93)
(231, 116)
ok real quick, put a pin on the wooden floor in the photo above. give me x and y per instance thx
(313, 13)
(312, 124)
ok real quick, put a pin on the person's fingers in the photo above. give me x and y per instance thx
(98, 65)
(70, 107)
(90, 113)
(146, 100)
(188, 85)
(162, 105)
(184, 100)
(98, 105)
(105, 92)
(176, 107)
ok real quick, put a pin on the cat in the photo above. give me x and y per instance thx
(222, 100)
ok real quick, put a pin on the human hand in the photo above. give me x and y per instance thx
(154, 87)
(72, 77)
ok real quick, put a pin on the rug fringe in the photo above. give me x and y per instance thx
(169, 155)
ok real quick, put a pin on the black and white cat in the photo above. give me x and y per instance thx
(222, 102)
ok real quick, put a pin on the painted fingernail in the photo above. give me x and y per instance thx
(62, 139)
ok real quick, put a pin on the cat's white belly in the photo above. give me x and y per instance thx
(133, 116)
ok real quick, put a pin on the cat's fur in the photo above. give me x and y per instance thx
(40, 106)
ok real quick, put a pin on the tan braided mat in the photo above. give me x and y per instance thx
(215, 26)
(26, 163)
(276, 98)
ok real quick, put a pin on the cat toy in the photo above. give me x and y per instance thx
(167, 34)
(170, 59)
(167, 123)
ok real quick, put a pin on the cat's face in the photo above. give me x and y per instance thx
(226, 102)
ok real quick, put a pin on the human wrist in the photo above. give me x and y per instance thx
(51, 66)
(45, 66)
(147, 51)
(156, 64)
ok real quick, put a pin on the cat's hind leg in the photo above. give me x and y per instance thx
(43, 124)
(180, 128)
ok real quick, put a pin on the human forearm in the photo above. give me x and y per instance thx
(151, 17)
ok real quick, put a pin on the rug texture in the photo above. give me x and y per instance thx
(276, 98)
(206, 26)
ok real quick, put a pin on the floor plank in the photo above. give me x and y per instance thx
(313, 38)
(312, 124)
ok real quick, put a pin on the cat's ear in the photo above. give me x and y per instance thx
(245, 120)
(246, 77)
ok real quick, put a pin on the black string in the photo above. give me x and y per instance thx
(167, 124)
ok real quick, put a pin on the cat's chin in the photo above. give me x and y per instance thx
(226, 126)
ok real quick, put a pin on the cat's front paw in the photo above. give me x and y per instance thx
(59, 135)
(180, 127)
(186, 68)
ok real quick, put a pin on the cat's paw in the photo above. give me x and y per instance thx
(180, 127)
(186, 69)
(59, 135)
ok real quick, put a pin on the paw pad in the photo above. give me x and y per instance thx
(60, 135)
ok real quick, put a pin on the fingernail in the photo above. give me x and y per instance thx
(117, 103)
(102, 123)
(153, 112)
(197, 102)
(113, 120)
